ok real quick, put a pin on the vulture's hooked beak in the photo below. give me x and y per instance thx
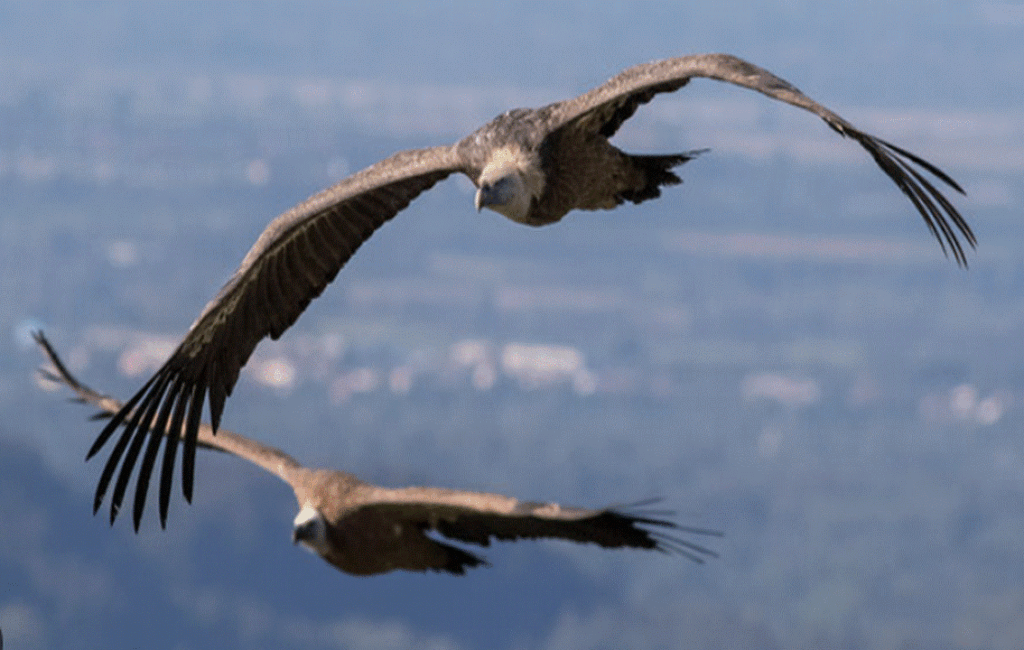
(494, 194)
(302, 532)
(483, 197)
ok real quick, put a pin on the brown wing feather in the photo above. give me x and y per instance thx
(605, 108)
(477, 517)
(269, 458)
(291, 263)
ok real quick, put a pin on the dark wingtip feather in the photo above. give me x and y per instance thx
(188, 455)
(921, 162)
(690, 550)
(167, 470)
(157, 433)
(137, 429)
(134, 429)
(115, 422)
(654, 528)
(63, 375)
(936, 210)
(111, 466)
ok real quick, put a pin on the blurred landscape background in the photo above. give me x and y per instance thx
(777, 347)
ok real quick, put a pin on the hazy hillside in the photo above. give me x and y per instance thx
(777, 347)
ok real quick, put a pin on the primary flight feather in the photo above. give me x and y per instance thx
(530, 165)
(364, 529)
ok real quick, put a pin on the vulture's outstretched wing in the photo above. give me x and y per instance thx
(476, 517)
(605, 108)
(294, 259)
(269, 458)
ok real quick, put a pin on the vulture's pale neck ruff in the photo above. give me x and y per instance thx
(509, 184)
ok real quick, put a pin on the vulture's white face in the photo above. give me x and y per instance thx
(310, 530)
(503, 185)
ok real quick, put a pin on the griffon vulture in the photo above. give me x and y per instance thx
(531, 165)
(364, 529)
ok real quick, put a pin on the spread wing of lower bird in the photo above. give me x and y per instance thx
(478, 517)
(530, 165)
(364, 529)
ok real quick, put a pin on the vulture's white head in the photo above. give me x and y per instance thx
(310, 530)
(508, 184)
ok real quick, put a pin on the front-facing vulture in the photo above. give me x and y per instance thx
(531, 165)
